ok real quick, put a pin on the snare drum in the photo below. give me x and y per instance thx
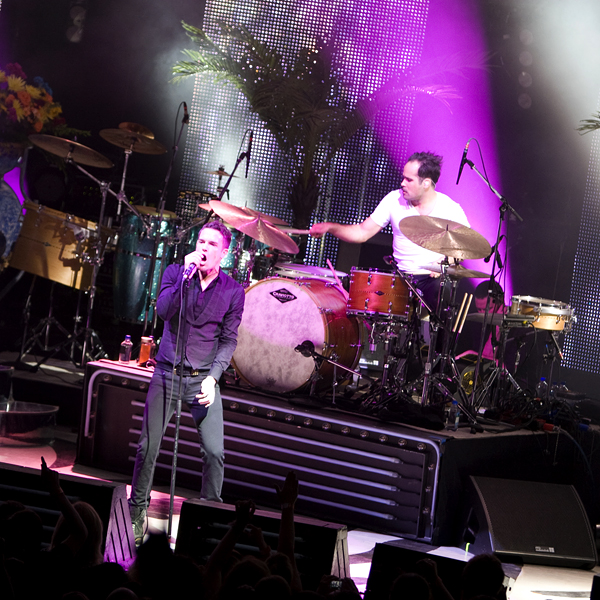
(375, 293)
(279, 315)
(132, 262)
(549, 315)
(299, 271)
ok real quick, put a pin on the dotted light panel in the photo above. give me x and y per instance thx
(376, 40)
(582, 345)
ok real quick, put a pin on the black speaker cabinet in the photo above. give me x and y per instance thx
(394, 558)
(109, 499)
(529, 522)
(321, 548)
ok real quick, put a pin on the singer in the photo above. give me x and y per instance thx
(214, 308)
(417, 196)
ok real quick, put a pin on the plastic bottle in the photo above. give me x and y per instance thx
(541, 389)
(125, 352)
(454, 416)
(562, 388)
(553, 390)
(145, 350)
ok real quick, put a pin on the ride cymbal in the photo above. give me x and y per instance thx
(68, 149)
(220, 173)
(135, 142)
(445, 237)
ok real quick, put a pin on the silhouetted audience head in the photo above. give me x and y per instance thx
(273, 587)
(410, 586)
(279, 564)
(248, 571)
(23, 534)
(91, 552)
(482, 576)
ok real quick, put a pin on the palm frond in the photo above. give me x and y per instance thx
(588, 125)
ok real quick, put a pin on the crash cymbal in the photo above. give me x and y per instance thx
(457, 271)
(445, 237)
(132, 141)
(205, 206)
(67, 148)
(220, 173)
(500, 318)
(136, 128)
(268, 218)
(253, 226)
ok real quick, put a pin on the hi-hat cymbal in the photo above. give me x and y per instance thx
(136, 128)
(254, 226)
(135, 142)
(66, 148)
(445, 237)
(457, 271)
(220, 173)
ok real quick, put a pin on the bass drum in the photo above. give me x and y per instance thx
(279, 315)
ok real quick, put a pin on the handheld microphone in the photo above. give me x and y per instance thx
(190, 271)
(463, 161)
(248, 152)
(186, 115)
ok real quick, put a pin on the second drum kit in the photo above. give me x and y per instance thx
(302, 330)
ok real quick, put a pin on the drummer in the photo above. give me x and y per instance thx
(417, 196)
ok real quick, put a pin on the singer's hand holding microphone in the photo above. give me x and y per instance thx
(191, 263)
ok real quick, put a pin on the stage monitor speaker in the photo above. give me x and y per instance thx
(321, 548)
(529, 522)
(395, 558)
(24, 485)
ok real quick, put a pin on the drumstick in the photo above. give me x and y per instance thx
(293, 231)
(465, 314)
(337, 279)
(459, 313)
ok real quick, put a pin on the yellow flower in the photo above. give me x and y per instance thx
(2, 76)
(15, 84)
(34, 91)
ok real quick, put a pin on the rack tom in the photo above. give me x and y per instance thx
(373, 292)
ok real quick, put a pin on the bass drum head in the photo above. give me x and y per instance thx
(281, 314)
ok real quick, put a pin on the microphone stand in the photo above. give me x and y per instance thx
(150, 302)
(179, 352)
(504, 207)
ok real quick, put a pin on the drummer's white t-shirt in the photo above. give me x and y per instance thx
(393, 208)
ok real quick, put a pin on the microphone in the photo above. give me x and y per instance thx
(463, 161)
(248, 152)
(190, 271)
(186, 115)
(306, 348)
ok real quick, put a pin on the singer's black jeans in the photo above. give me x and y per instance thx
(157, 413)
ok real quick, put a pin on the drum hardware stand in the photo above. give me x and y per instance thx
(504, 207)
(553, 352)
(498, 373)
(150, 302)
(95, 260)
(307, 349)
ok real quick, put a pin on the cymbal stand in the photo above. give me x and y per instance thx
(96, 258)
(499, 373)
(504, 208)
(553, 353)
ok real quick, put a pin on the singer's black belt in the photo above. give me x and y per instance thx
(187, 371)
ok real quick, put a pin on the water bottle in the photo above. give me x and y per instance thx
(562, 388)
(125, 352)
(541, 389)
(553, 390)
(453, 416)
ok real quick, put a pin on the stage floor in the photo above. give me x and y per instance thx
(528, 582)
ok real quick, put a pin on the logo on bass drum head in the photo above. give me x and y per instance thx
(283, 295)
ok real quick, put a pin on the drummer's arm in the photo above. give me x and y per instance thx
(355, 234)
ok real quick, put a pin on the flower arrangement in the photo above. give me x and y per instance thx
(28, 108)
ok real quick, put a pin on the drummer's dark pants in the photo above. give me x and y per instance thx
(430, 289)
(157, 413)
